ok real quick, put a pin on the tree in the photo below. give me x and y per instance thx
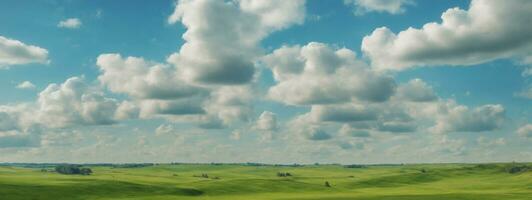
(327, 184)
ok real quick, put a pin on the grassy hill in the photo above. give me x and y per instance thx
(185, 181)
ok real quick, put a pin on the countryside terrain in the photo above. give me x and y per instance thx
(243, 181)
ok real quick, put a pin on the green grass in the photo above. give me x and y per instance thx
(438, 182)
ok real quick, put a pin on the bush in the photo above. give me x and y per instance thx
(283, 174)
(327, 184)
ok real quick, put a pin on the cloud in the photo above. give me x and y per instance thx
(231, 103)
(343, 113)
(389, 6)
(267, 121)
(460, 39)
(318, 74)
(526, 93)
(212, 56)
(397, 126)
(317, 134)
(127, 110)
(347, 130)
(16, 139)
(462, 119)
(26, 85)
(165, 129)
(71, 23)
(74, 102)
(416, 90)
(142, 79)
(525, 131)
(14, 52)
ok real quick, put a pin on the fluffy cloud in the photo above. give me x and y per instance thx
(211, 56)
(525, 131)
(142, 79)
(389, 6)
(416, 90)
(463, 119)
(318, 74)
(74, 102)
(267, 121)
(26, 85)
(14, 52)
(460, 39)
(71, 23)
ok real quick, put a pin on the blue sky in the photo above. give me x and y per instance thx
(265, 81)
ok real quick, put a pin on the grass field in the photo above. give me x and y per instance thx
(407, 182)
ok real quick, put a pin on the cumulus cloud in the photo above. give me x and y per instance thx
(142, 79)
(211, 56)
(267, 121)
(70, 23)
(26, 85)
(525, 131)
(460, 39)
(231, 103)
(416, 90)
(463, 119)
(14, 52)
(74, 102)
(389, 6)
(319, 74)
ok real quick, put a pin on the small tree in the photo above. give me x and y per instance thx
(85, 171)
(327, 184)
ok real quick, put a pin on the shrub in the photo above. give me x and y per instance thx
(283, 174)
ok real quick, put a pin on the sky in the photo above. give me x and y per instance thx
(300, 81)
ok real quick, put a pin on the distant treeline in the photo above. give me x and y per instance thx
(133, 165)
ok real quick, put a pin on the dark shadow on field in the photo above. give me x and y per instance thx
(85, 189)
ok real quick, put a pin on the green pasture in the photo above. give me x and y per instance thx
(230, 182)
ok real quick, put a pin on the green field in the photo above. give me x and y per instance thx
(407, 182)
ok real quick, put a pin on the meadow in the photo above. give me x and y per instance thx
(233, 182)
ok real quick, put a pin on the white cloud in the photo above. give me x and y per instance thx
(71, 23)
(14, 52)
(74, 102)
(462, 119)
(267, 121)
(212, 56)
(142, 79)
(416, 90)
(460, 39)
(319, 74)
(390, 6)
(525, 131)
(165, 129)
(26, 85)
